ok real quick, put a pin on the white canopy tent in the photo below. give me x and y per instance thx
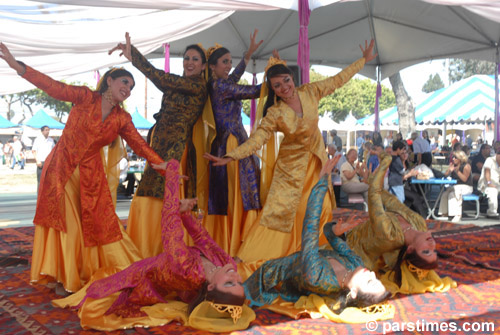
(67, 37)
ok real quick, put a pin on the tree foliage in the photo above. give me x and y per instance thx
(357, 95)
(432, 84)
(36, 97)
(246, 103)
(463, 68)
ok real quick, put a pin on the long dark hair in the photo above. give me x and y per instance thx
(272, 72)
(215, 296)
(200, 51)
(414, 259)
(362, 300)
(113, 73)
(214, 57)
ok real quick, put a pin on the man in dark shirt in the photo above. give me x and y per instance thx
(478, 161)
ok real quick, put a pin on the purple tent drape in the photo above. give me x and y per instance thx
(497, 107)
(377, 97)
(167, 57)
(303, 49)
(97, 77)
(253, 104)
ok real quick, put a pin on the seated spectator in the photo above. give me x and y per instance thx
(397, 172)
(489, 183)
(413, 198)
(354, 176)
(478, 161)
(377, 139)
(451, 199)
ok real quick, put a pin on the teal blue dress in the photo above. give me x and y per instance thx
(307, 271)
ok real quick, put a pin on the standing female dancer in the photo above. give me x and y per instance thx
(233, 189)
(323, 272)
(203, 275)
(182, 104)
(300, 158)
(77, 230)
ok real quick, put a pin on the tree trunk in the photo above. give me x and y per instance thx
(404, 103)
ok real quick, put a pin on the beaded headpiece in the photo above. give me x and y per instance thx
(234, 310)
(421, 273)
(211, 50)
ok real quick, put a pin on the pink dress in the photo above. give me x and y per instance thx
(177, 269)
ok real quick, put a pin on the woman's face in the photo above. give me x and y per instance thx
(283, 86)
(352, 156)
(226, 279)
(120, 87)
(223, 67)
(425, 246)
(192, 63)
(364, 280)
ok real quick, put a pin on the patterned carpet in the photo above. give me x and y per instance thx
(470, 256)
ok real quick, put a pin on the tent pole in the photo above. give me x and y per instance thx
(497, 130)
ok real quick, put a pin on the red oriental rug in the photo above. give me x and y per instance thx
(471, 257)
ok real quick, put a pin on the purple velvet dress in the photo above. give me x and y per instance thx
(225, 95)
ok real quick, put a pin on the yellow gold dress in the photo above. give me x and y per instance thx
(277, 232)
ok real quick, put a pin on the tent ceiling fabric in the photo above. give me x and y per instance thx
(66, 38)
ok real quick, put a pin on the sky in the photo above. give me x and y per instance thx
(414, 78)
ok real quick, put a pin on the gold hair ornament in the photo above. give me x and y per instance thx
(211, 50)
(378, 308)
(421, 273)
(234, 310)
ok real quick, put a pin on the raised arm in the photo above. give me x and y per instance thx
(329, 85)
(240, 68)
(234, 91)
(162, 80)
(54, 88)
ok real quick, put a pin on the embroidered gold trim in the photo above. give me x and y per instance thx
(234, 310)
(421, 273)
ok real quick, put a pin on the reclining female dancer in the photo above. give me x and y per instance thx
(396, 238)
(323, 272)
(200, 274)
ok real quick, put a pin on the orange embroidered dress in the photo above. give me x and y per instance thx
(77, 230)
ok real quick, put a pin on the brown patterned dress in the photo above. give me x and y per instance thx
(182, 104)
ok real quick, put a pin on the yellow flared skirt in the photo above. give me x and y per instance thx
(261, 243)
(144, 220)
(62, 256)
(229, 230)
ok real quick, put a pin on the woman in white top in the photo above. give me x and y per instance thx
(354, 176)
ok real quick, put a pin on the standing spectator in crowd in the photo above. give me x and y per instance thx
(478, 161)
(41, 149)
(489, 183)
(359, 143)
(377, 139)
(388, 139)
(367, 147)
(7, 151)
(421, 149)
(425, 136)
(399, 137)
(336, 139)
(496, 146)
(17, 153)
(454, 139)
(353, 175)
(2, 157)
(468, 141)
(397, 171)
(451, 199)
(373, 161)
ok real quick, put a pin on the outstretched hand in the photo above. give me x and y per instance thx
(217, 161)
(187, 205)
(368, 51)
(253, 45)
(329, 165)
(125, 48)
(341, 227)
(11, 61)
